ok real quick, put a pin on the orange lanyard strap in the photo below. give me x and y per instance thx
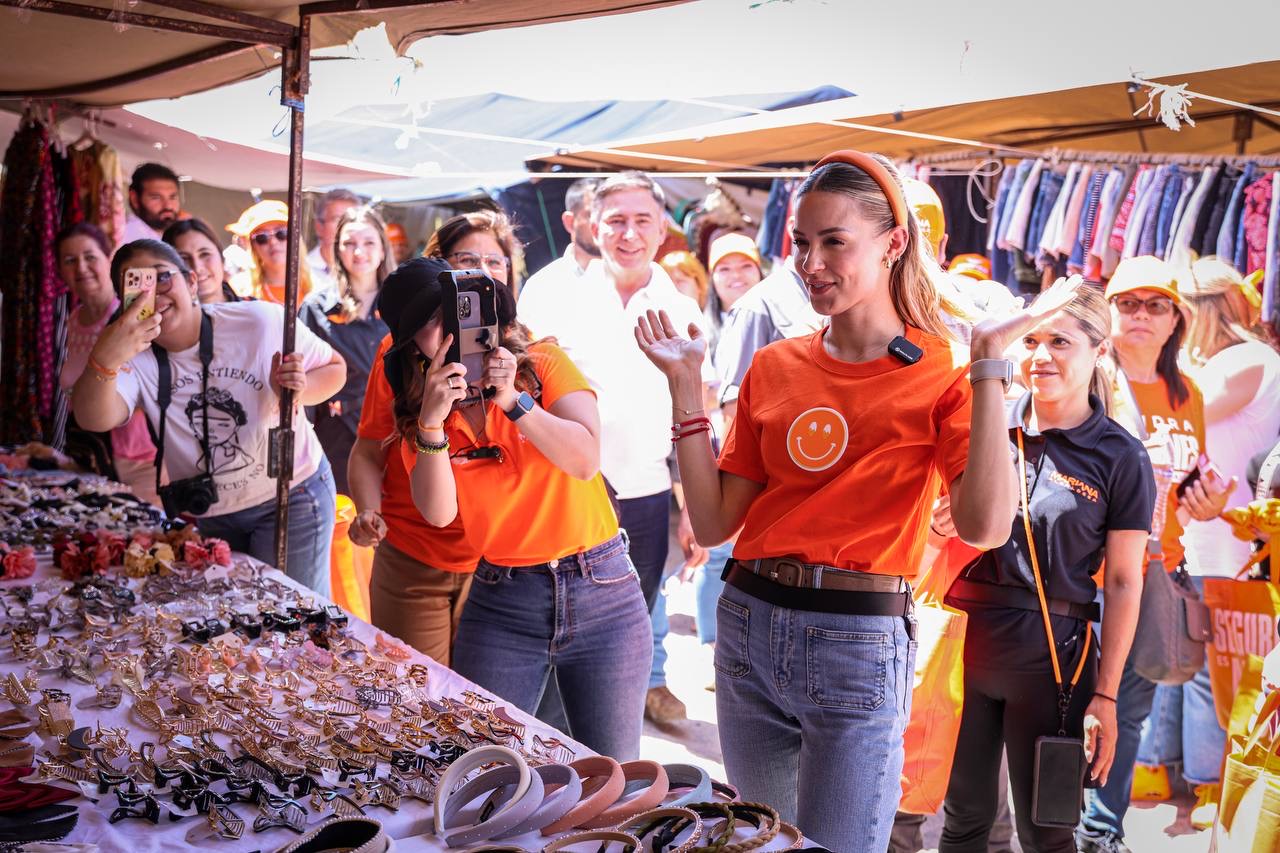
(1064, 692)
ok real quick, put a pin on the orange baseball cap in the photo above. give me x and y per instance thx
(732, 244)
(972, 265)
(1145, 272)
(260, 214)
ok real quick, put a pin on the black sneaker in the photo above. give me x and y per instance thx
(1106, 842)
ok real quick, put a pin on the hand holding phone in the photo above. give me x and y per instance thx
(139, 288)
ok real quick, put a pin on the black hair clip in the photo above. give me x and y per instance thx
(309, 615)
(280, 811)
(247, 624)
(273, 621)
(351, 769)
(377, 697)
(135, 804)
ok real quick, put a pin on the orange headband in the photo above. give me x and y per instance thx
(878, 173)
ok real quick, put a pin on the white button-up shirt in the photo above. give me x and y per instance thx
(586, 316)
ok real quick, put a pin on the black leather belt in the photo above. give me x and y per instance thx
(825, 599)
(1020, 599)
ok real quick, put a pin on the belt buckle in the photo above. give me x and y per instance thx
(779, 572)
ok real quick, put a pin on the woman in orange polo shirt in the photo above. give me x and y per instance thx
(555, 590)
(842, 441)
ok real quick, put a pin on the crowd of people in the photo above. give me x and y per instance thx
(807, 428)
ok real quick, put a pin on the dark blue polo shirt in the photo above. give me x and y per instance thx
(356, 341)
(1082, 483)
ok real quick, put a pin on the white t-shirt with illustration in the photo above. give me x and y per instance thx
(242, 407)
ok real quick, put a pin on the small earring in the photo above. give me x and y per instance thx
(888, 262)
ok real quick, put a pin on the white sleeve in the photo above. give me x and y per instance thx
(128, 387)
(315, 351)
(536, 307)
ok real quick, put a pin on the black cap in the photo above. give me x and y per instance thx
(409, 296)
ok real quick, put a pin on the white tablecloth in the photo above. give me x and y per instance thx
(410, 826)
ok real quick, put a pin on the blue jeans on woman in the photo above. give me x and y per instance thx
(585, 616)
(312, 511)
(812, 707)
(707, 587)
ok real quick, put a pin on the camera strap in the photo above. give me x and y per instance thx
(1064, 689)
(164, 393)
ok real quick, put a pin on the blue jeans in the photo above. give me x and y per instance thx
(312, 508)
(707, 587)
(1183, 727)
(661, 626)
(1105, 807)
(812, 707)
(584, 616)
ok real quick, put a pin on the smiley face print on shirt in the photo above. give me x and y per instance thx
(817, 439)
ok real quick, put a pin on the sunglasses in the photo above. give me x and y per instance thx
(1156, 306)
(165, 279)
(262, 238)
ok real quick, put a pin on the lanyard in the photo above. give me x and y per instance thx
(1064, 691)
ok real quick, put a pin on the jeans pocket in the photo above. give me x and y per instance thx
(731, 658)
(488, 574)
(612, 570)
(846, 669)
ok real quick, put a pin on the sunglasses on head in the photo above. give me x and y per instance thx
(262, 238)
(1156, 306)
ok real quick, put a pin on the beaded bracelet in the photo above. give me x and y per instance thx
(430, 447)
(101, 373)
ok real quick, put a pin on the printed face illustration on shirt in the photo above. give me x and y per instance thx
(817, 439)
(226, 416)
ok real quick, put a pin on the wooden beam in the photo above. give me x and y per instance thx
(70, 90)
(231, 16)
(152, 22)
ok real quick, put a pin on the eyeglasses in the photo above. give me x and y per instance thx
(262, 238)
(1156, 306)
(165, 279)
(472, 261)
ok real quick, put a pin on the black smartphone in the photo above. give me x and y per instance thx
(1058, 793)
(474, 325)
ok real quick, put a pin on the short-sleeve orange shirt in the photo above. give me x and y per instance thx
(851, 456)
(523, 510)
(446, 548)
(1175, 442)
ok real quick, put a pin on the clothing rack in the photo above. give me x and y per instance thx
(1058, 155)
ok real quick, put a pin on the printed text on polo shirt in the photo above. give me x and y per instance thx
(1078, 486)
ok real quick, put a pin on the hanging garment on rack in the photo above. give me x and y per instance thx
(774, 223)
(1206, 243)
(1002, 196)
(1113, 191)
(1271, 280)
(1050, 188)
(1073, 212)
(1179, 250)
(102, 188)
(1057, 214)
(1147, 210)
(1226, 247)
(1016, 238)
(1163, 206)
(1115, 245)
(1093, 200)
(1011, 203)
(1165, 235)
(1255, 219)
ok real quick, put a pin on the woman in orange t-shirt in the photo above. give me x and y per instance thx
(421, 574)
(841, 443)
(1160, 404)
(555, 590)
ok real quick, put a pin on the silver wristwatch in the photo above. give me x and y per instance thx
(991, 368)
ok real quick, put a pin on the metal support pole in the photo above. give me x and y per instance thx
(293, 94)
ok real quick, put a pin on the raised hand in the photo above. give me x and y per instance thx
(444, 385)
(125, 338)
(676, 356)
(994, 335)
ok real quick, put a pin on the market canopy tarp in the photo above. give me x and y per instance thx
(1098, 117)
(104, 62)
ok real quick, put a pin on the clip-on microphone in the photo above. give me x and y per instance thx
(905, 351)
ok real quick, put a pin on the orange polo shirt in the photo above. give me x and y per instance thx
(523, 510)
(1175, 442)
(446, 548)
(851, 456)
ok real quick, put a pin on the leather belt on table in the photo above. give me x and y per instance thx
(788, 582)
(1021, 599)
